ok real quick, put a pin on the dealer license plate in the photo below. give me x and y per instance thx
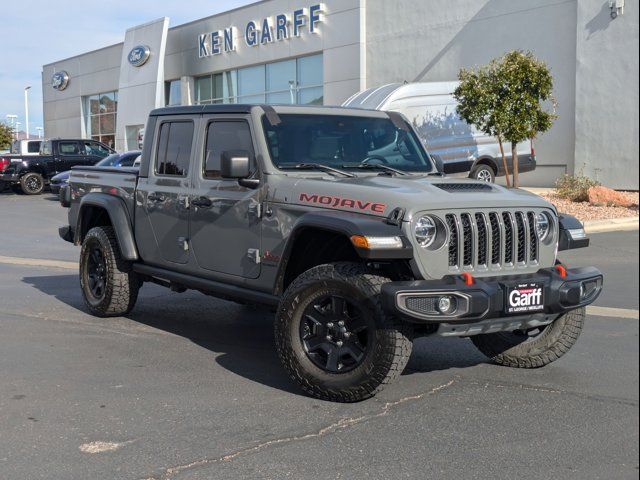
(524, 298)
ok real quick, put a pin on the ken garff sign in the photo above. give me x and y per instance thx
(277, 28)
(60, 80)
(139, 55)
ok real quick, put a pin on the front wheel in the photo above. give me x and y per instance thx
(333, 337)
(533, 348)
(109, 285)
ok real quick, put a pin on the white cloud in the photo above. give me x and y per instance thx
(37, 32)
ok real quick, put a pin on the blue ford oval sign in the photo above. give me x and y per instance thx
(60, 80)
(139, 55)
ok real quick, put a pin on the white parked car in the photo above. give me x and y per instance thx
(431, 108)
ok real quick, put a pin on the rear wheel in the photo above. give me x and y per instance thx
(109, 285)
(32, 183)
(333, 337)
(484, 173)
(533, 348)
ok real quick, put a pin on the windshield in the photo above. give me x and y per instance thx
(344, 142)
(109, 161)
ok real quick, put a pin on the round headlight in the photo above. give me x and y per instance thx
(425, 231)
(543, 225)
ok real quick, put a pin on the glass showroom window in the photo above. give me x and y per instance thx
(100, 117)
(173, 93)
(287, 82)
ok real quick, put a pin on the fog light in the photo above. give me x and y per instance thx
(447, 305)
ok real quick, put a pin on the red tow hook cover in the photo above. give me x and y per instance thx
(468, 279)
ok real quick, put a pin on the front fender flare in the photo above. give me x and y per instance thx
(119, 217)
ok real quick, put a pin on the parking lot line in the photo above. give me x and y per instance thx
(38, 262)
(612, 312)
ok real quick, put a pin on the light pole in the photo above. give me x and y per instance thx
(26, 109)
(40, 131)
(18, 125)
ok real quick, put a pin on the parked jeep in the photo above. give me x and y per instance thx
(340, 220)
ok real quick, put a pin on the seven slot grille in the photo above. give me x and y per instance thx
(493, 239)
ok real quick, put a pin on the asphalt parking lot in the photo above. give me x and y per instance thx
(189, 387)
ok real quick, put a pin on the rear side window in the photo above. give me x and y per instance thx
(33, 147)
(46, 149)
(68, 148)
(225, 136)
(95, 149)
(174, 148)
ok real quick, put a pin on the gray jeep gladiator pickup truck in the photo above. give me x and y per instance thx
(342, 222)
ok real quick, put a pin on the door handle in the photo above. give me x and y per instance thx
(202, 202)
(156, 197)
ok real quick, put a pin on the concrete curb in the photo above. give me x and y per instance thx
(625, 224)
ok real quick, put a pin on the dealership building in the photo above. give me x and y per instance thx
(310, 52)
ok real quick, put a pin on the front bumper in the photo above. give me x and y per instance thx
(485, 300)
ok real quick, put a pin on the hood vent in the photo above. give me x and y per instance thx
(464, 187)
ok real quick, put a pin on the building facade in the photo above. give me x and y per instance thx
(304, 51)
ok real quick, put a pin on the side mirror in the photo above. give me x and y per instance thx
(235, 164)
(439, 163)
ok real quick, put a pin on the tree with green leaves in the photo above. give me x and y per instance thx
(507, 99)
(6, 136)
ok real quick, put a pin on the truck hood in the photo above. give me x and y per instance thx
(379, 195)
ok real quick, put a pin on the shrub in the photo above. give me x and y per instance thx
(575, 187)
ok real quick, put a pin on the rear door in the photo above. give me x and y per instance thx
(162, 208)
(225, 220)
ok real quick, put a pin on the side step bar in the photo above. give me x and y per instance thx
(210, 287)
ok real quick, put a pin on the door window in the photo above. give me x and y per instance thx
(68, 148)
(174, 148)
(95, 149)
(225, 136)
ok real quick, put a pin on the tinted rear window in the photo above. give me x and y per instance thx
(174, 148)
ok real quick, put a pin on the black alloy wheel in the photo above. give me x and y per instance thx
(336, 333)
(32, 184)
(96, 272)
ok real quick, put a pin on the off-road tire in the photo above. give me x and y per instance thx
(551, 344)
(32, 183)
(121, 282)
(386, 358)
(484, 173)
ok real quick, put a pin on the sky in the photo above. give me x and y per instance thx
(38, 32)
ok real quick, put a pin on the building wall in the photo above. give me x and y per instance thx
(607, 94)
(418, 41)
(92, 72)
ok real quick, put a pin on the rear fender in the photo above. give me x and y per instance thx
(118, 216)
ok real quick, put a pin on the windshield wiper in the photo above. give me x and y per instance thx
(377, 166)
(317, 166)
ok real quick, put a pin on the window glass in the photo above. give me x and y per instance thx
(33, 147)
(127, 160)
(174, 148)
(310, 96)
(100, 117)
(344, 142)
(251, 81)
(68, 148)
(108, 161)
(203, 89)
(46, 148)
(310, 71)
(108, 102)
(173, 93)
(281, 76)
(222, 137)
(95, 149)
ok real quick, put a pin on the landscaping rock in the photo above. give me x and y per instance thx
(603, 196)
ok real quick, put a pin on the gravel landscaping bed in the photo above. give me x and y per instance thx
(585, 211)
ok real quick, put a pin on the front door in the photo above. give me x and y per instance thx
(225, 217)
(162, 208)
(70, 154)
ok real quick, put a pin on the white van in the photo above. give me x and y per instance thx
(431, 108)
